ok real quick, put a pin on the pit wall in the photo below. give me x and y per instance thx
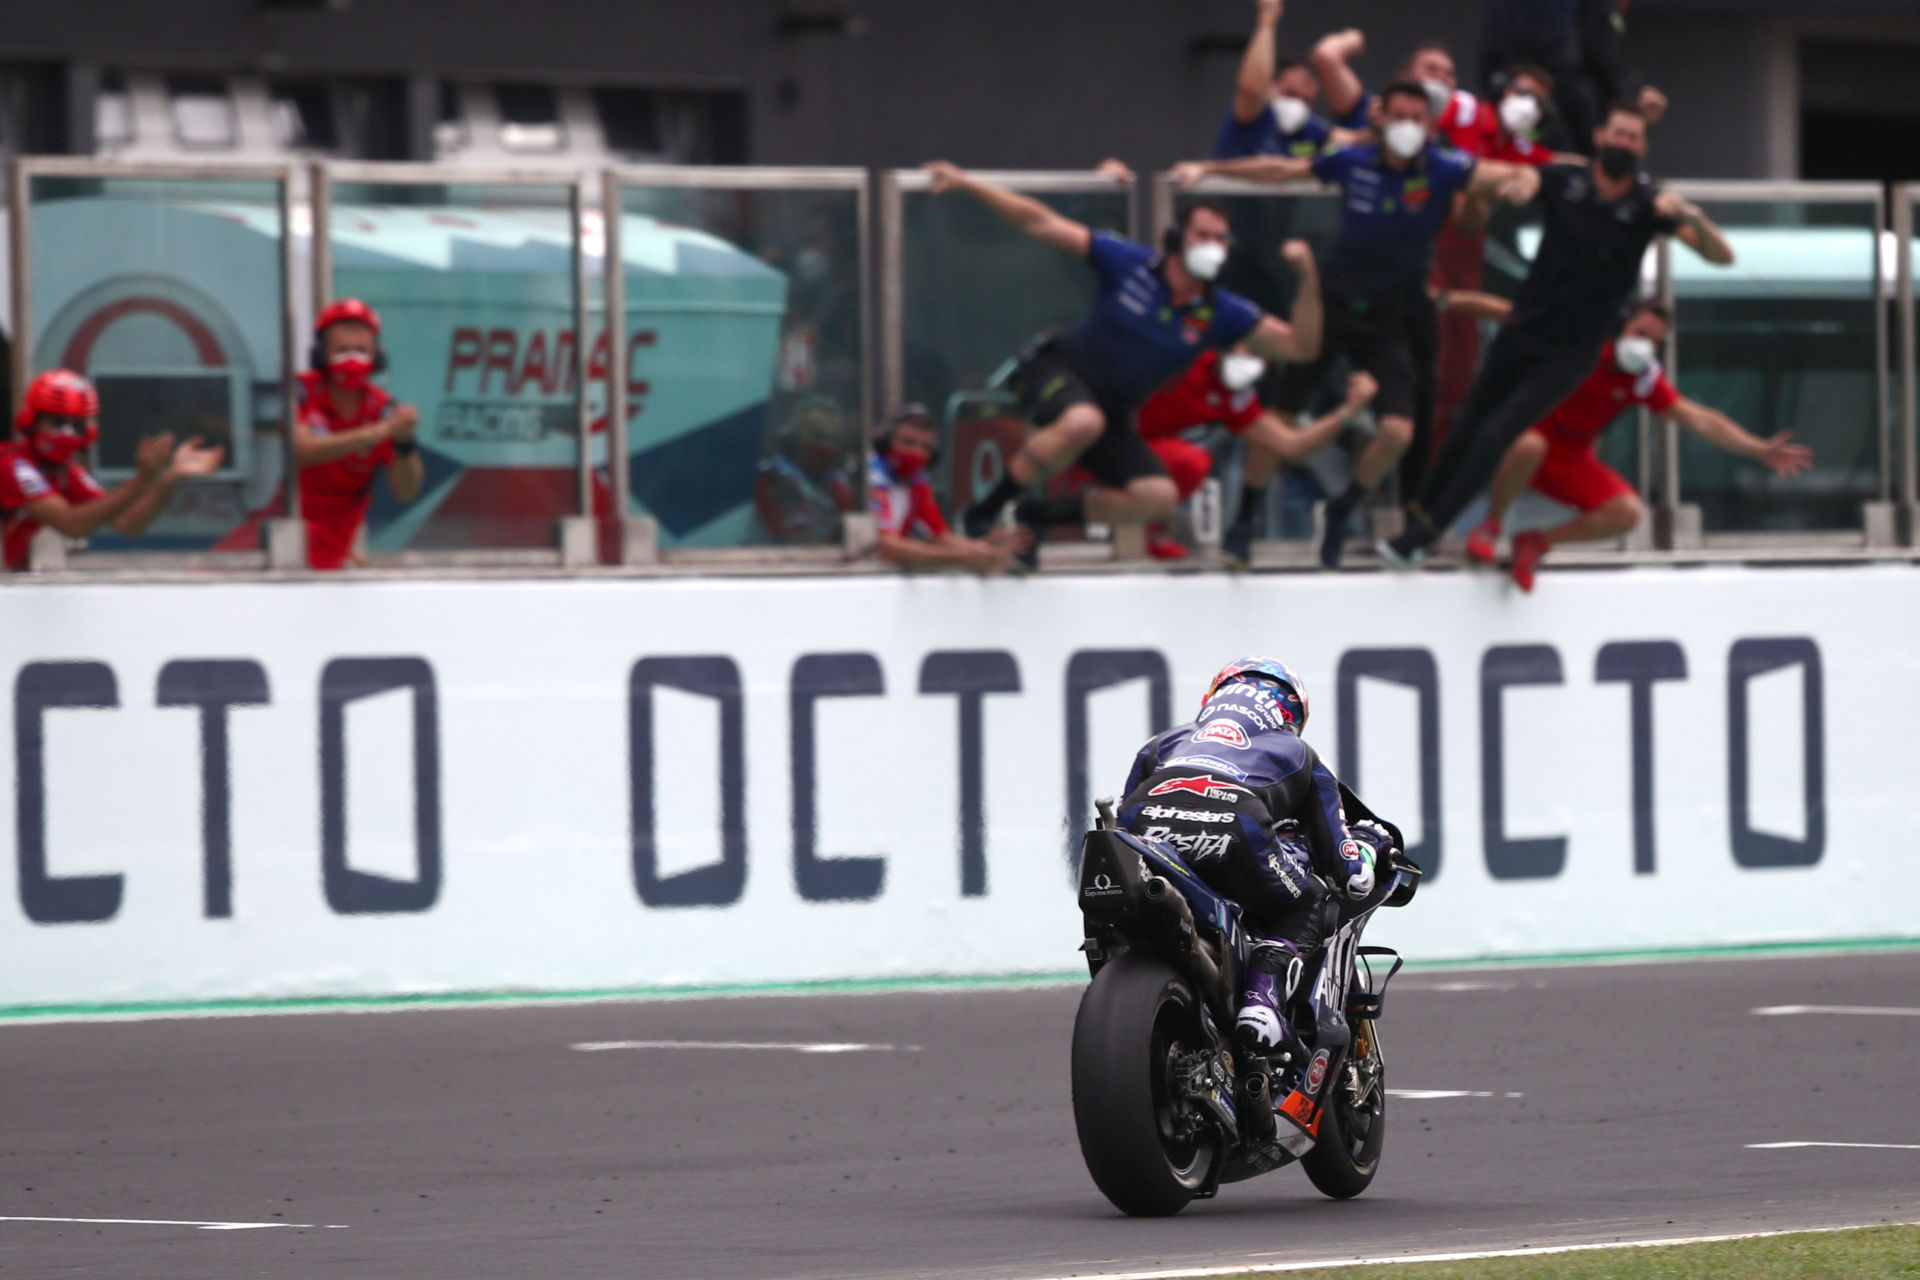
(260, 790)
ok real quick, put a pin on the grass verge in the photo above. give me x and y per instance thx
(1883, 1253)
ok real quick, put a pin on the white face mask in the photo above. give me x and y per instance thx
(1405, 138)
(1438, 95)
(1290, 114)
(1204, 259)
(1520, 113)
(1634, 354)
(1238, 371)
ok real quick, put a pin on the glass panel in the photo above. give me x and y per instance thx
(1782, 341)
(747, 409)
(474, 284)
(974, 292)
(167, 293)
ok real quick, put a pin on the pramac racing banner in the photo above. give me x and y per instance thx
(332, 788)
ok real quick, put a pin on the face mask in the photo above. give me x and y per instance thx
(57, 448)
(1204, 260)
(350, 369)
(1616, 162)
(1238, 371)
(1634, 354)
(906, 463)
(1405, 138)
(1520, 113)
(1290, 114)
(1438, 95)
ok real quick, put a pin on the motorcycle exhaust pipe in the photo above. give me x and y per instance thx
(1160, 892)
(1259, 1107)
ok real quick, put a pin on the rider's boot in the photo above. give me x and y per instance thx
(1273, 971)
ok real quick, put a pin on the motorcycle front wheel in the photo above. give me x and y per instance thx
(1353, 1129)
(1143, 1142)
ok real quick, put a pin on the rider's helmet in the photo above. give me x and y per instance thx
(1268, 673)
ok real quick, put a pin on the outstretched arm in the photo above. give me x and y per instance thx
(1697, 231)
(1298, 341)
(1256, 65)
(1252, 168)
(1338, 82)
(1778, 452)
(193, 458)
(1514, 183)
(1021, 212)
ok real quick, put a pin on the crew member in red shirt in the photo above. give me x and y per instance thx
(348, 430)
(1219, 389)
(43, 483)
(1557, 457)
(913, 532)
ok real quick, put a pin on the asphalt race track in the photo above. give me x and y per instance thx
(479, 1142)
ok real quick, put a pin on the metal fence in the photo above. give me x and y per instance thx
(675, 369)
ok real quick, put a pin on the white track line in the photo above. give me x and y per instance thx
(603, 1046)
(168, 1222)
(1278, 1268)
(1865, 1010)
(1422, 1095)
(1864, 1146)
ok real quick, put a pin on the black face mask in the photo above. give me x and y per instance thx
(1616, 162)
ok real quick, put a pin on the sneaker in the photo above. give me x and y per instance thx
(1396, 559)
(1528, 548)
(1162, 547)
(1236, 545)
(1329, 532)
(1483, 544)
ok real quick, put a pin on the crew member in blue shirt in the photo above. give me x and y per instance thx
(1272, 111)
(1153, 313)
(1397, 191)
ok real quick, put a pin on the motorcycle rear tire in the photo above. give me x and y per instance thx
(1131, 1018)
(1342, 1163)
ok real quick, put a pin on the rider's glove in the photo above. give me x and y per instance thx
(1356, 860)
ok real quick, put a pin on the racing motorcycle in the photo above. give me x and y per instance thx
(1167, 1105)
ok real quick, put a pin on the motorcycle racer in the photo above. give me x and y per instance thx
(1257, 815)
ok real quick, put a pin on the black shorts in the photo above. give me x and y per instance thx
(1370, 334)
(1047, 387)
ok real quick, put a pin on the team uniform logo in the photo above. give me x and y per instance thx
(1226, 733)
(1192, 844)
(1208, 788)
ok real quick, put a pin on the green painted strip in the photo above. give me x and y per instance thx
(136, 1010)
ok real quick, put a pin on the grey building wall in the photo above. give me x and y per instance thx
(1006, 83)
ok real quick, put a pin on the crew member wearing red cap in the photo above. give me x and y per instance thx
(42, 481)
(347, 431)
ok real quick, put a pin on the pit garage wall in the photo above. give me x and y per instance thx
(380, 787)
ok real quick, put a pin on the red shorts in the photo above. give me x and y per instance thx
(1185, 461)
(1572, 474)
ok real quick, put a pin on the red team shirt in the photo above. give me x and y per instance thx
(1572, 472)
(1197, 398)
(334, 496)
(903, 510)
(22, 479)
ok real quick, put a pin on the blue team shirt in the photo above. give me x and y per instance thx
(1134, 339)
(1261, 136)
(1388, 217)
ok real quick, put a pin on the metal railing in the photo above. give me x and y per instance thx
(597, 208)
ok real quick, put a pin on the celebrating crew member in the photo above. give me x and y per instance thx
(912, 531)
(1152, 315)
(1396, 193)
(1272, 111)
(1257, 815)
(1557, 456)
(347, 431)
(1600, 217)
(1219, 390)
(43, 482)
